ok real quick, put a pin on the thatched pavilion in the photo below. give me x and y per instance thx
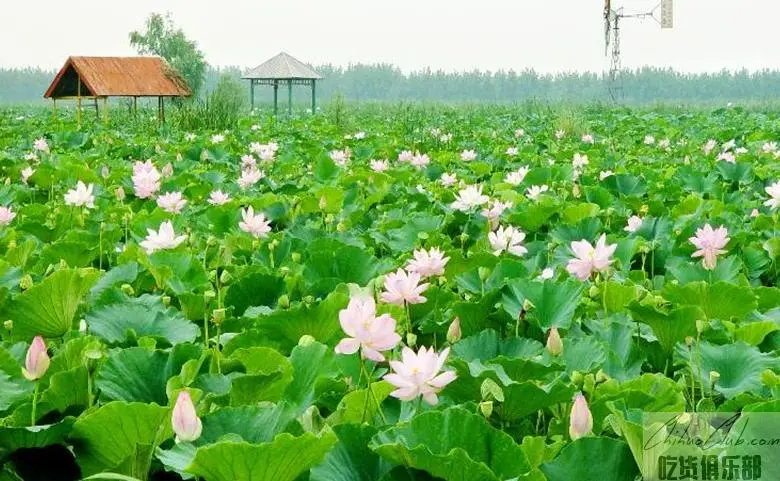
(283, 70)
(94, 78)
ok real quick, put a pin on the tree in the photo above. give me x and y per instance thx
(163, 38)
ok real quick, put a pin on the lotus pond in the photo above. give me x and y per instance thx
(389, 293)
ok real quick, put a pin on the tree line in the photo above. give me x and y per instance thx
(385, 82)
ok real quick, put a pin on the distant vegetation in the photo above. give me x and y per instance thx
(386, 82)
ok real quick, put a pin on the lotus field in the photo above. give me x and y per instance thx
(397, 293)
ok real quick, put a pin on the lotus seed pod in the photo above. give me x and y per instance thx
(225, 278)
(296, 257)
(218, 316)
(127, 289)
(689, 340)
(209, 295)
(527, 305)
(306, 340)
(577, 378)
(411, 339)
(589, 383)
(602, 376)
(701, 325)
(166, 300)
(714, 377)
(26, 282)
(8, 325)
(284, 301)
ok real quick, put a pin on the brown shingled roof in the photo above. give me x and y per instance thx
(118, 76)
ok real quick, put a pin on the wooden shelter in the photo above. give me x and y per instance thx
(94, 78)
(283, 70)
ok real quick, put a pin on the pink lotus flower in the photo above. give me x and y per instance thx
(248, 161)
(379, 165)
(710, 146)
(185, 421)
(405, 156)
(535, 191)
(340, 157)
(469, 198)
(493, 214)
(519, 133)
(634, 223)
(448, 179)
(774, 194)
(250, 177)
(164, 238)
(417, 374)
(81, 196)
(402, 287)
(167, 170)
(516, 177)
(507, 239)
(217, 197)
(554, 342)
(547, 273)
(37, 361)
(428, 263)
(41, 145)
(590, 259)
(27, 172)
(579, 161)
(146, 179)
(172, 202)
(710, 243)
(754, 213)
(769, 147)
(366, 331)
(580, 420)
(587, 139)
(468, 155)
(420, 160)
(6, 215)
(256, 225)
(727, 157)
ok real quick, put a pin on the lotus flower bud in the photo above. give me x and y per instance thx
(306, 340)
(483, 272)
(581, 420)
(323, 202)
(714, 377)
(701, 325)
(576, 191)
(453, 333)
(26, 282)
(105, 172)
(754, 213)
(120, 194)
(83, 326)
(185, 421)
(167, 171)
(689, 340)
(37, 361)
(8, 325)
(411, 339)
(486, 408)
(554, 342)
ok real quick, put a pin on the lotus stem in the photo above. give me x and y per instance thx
(34, 403)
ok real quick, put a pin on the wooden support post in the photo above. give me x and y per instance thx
(313, 96)
(97, 110)
(289, 97)
(105, 109)
(135, 106)
(252, 93)
(78, 100)
(276, 97)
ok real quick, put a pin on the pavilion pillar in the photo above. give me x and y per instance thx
(289, 97)
(276, 97)
(135, 106)
(313, 96)
(78, 99)
(252, 93)
(97, 109)
(105, 109)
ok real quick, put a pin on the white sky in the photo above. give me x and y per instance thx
(547, 35)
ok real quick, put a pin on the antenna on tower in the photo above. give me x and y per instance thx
(612, 21)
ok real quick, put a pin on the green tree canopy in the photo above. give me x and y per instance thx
(163, 38)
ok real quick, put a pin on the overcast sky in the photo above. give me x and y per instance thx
(547, 35)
